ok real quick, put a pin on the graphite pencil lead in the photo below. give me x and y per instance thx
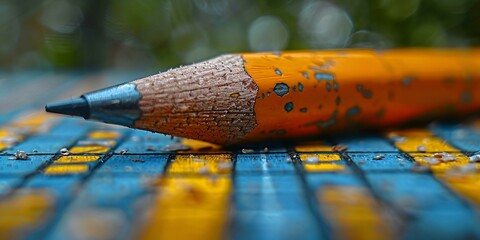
(116, 105)
(74, 107)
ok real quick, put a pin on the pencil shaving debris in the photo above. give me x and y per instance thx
(379, 157)
(19, 155)
(339, 148)
(123, 151)
(64, 152)
(247, 150)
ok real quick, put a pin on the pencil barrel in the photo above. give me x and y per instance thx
(254, 96)
(308, 93)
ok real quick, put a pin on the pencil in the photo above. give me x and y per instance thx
(237, 98)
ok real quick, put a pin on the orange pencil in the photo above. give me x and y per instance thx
(256, 96)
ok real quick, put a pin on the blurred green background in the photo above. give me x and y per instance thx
(134, 34)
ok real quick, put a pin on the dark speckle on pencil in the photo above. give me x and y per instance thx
(288, 106)
(323, 76)
(407, 81)
(278, 72)
(351, 112)
(281, 89)
(305, 75)
(337, 101)
(367, 94)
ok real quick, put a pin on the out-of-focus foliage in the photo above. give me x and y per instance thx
(165, 33)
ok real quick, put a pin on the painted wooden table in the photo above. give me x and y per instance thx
(87, 180)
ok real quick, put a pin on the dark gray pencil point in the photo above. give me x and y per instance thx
(74, 107)
(117, 105)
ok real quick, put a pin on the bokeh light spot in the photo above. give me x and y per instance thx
(325, 25)
(267, 33)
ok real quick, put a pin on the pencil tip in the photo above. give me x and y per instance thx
(74, 107)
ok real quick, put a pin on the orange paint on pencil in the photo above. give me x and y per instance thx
(307, 93)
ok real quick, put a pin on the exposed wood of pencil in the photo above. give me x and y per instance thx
(256, 96)
(212, 101)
